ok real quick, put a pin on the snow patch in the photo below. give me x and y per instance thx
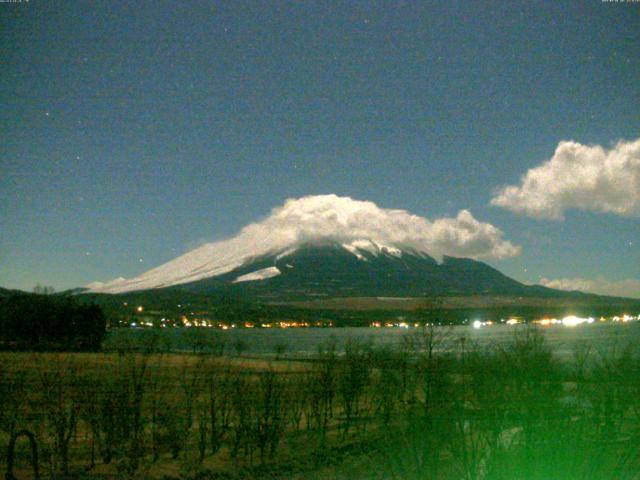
(394, 252)
(263, 274)
(374, 248)
(355, 251)
(288, 251)
(366, 245)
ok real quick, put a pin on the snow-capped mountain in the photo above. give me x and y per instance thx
(341, 270)
(366, 269)
(325, 240)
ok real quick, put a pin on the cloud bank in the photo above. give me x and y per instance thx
(346, 220)
(585, 177)
(622, 288)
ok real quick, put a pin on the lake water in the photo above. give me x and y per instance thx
(563, 340)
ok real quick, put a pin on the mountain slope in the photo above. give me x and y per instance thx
(330, 269)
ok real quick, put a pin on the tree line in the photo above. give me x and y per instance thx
(49, 322)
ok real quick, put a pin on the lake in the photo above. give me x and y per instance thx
(602, 336)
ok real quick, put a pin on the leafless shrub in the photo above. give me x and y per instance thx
(241, 393)
(270, 413)
(322, 386)
(13, 396)
(353, 378)
(57, 401)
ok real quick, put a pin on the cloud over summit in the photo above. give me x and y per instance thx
(585, 177)
(345, 220)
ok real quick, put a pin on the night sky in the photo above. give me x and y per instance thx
(131, 132)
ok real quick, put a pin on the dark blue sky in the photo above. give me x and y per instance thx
(132, 131)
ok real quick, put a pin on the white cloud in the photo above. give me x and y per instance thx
(621, 288)
(346, 220)
(321, 218)
(585, 177)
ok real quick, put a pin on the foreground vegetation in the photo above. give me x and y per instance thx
(414, 411)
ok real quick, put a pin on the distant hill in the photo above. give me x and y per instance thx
(4, 292)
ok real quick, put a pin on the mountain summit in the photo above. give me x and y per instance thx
(352, 230)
